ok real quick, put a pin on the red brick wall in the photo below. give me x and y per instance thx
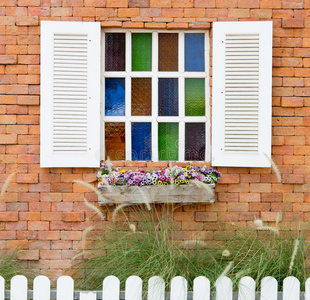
(44, 211)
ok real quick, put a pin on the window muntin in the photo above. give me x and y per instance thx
(156, 96)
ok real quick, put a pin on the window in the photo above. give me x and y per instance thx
(167, 72)
(155, 95)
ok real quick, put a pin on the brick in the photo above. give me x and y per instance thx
(260, 187)
(172, 12)
(28, 254)
(73, 216)
(177, 25)
(292, 3)
(150, 12)
(194, 12)
(228, 216)
(27, 178)
(228, 197)
(16, 69)
(294, 140)
(249, 197)
(29, 140)
(230, 178)
(51, 216)
(29, 216)
(16, 110)
(8, 139)
(49, 235)
(28, 100)
(50, 254)
(27, 21)
(139, 3)
(261, 13)
(238, 13)
(38, 225)
(8, 119)
(71, 235)
(47, 178)
(293, 178)
(293, 23)
(29, 2)
(117, 3)
(95, 3)
(61, 187)
(204, 3)
(271, 216)
(16, 89)
(8, 216)
(133, 25)
(59, 225)
(248, 3)
(206, 216)
(8, 59)
(39, 11)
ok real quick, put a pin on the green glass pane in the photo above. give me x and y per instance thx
(141, 52)
(195, 97)
(168, 135)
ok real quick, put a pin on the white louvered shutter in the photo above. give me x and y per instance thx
(241, 94)
(70, 94)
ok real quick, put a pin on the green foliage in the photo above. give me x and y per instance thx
(156, 247)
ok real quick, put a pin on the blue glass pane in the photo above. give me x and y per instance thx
(168, 97)
(115, 97)
(194, 52)
(141, 141)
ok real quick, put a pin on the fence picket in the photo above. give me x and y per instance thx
(65, 288)
(269, 288)
(224, 288)
(19, 287)
(246, 289)
(201, 289)
(133, 288)
(307, 289)
(88, 295)
(178, 288)
(291, 288)
(41, 288)
(110, 288)
(2, 288)
(156, 288)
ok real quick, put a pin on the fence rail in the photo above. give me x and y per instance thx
(156, 289)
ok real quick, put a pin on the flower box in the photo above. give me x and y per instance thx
(192, 184)
(157, 194)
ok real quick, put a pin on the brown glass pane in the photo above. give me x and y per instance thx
(168, 52)
(115, 51)
(115, 141)
(141, 96)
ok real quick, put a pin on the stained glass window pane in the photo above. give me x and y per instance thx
(194, 96)
(115, 96)
(194, 52)
(141, 52)
(141, 96)
(168, 97)
(115, 141)
(141, 141)
(115, 51)
(168, 52)
(195, 141)
(168, 135)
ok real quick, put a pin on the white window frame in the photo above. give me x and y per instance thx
(155, 74)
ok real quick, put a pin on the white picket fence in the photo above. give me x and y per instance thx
(155, 289)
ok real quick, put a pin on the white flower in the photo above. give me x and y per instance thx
(133, 228)
(226, 253)
(258, 222)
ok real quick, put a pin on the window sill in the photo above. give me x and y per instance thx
(157, 194)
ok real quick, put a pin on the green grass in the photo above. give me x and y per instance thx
(155, 248)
